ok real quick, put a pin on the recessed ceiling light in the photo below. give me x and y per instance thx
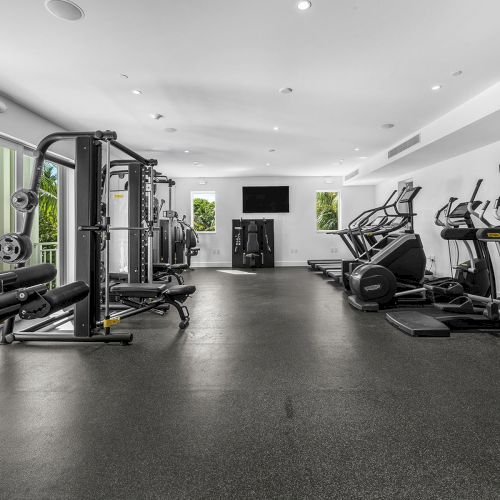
(272, 150)
(170, 130)
(156, 116)
(356, 149)
(363, 157)
(186, 151)
(137, 92)
(388, 125)
(268, 164)
(276, 128)
(3, 107)
(341, 161)
(436, 87)
(285, 90)
(457, 73)
(304, 5)
(196, 163)
(123, 75)
(64, 9)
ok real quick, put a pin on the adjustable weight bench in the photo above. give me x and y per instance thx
(147, 296)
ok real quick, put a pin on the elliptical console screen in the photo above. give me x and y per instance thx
(265, 199)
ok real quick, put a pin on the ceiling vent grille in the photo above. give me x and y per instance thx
(403, 146)
(354, 173)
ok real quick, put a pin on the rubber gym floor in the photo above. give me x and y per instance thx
(278, 389)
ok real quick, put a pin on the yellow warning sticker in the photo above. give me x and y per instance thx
(493, 235)
(108, 323)
(118, 196)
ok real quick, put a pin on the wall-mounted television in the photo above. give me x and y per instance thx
(265, 199)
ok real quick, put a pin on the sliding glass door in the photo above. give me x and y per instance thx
(16, 166)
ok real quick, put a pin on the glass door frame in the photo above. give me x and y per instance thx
(20, 151)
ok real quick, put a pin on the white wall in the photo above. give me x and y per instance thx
(296, 238)
(454, 177)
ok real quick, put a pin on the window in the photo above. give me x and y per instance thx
(327, 210)
(16, 165)
(203, 211)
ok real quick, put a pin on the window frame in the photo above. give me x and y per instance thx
(21, 150)
(193, 196)
(339, 209)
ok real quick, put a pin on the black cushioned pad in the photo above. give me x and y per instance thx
(141, 290)
(160, 266)
(459, 233)
(176, 290)
(179, 266)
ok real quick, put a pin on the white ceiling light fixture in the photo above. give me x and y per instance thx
(457, 73)
(65, 10)
(156, 116)
(276, 128)
(272, 150)
(3, 107)
(137, 92)
(187, 151)
(268, 164)
(285, 90)
(304, 5)
(437, 87)
(170, 130)
(356, 149)
(387, 125)
(123, 75)
(363, 157)
(196, 163)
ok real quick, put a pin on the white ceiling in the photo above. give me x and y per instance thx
(213, 69)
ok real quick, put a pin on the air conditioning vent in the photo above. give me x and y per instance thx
(354, 173)
(403, 146)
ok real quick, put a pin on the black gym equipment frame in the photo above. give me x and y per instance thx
(88, 171)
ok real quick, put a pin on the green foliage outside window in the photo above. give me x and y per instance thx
(327, 211)
(203, 215)
(48, 204)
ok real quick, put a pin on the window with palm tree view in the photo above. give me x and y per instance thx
(203, 211)
(327, 210)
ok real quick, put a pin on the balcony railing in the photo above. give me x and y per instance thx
(46, 253)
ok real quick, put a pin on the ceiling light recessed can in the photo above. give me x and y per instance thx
(268, 164)
(186, 151)
(388, 125)
(276, 128)
(123, 75)
(156, 116)
(356, 149)
(196, 163)
(272, 150)
(436, 87)
(363, 157)
(3, 107)
(285, 90)
(457, 73)
(171, 130)
(137, 92)
(64, 9)
(304, 5)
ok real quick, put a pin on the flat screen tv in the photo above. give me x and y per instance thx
(265, 199)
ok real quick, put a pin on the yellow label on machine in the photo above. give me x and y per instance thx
(118, 196)
(108, 323)
(493, 235)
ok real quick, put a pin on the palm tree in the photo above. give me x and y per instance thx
(48, 203)
(327, 217)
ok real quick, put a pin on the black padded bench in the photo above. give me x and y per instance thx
(157, 294)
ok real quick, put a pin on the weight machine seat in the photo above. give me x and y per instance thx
(161, 267)
(151, 290)
(253, 247)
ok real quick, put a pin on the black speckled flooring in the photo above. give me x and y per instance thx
(277, 390)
